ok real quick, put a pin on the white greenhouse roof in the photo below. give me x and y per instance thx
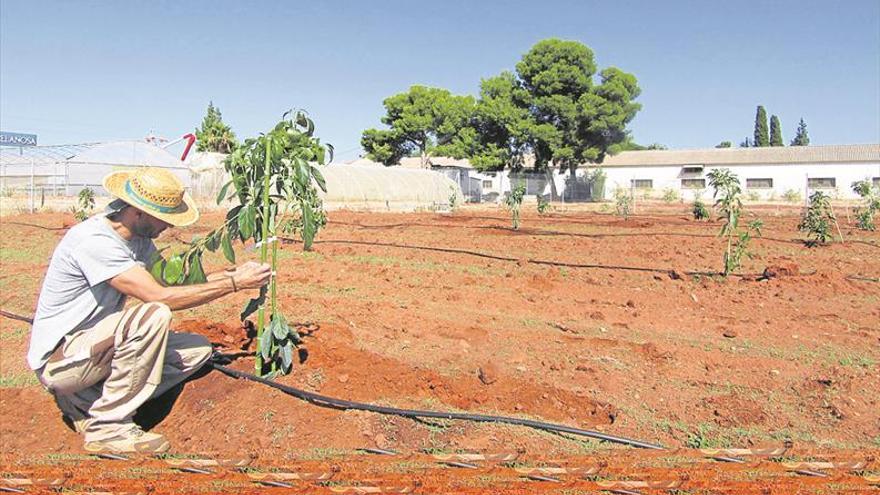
(118, 153)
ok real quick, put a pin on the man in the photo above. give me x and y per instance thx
(100, 360)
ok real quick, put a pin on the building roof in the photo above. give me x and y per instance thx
(848, 153)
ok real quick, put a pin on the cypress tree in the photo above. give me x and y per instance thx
(762, 135)
(775, 132)
(801, 139)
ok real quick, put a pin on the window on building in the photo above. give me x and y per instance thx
(821, 182)
(487, 184)
(695, 169)
(759, 183)
(876, 181)
(642, 183)
(693, 183)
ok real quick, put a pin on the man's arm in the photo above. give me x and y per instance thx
(137, 282)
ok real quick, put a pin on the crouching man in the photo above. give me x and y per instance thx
(100, 360)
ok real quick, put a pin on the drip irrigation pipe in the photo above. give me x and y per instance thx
(666, 271)
(324, 401)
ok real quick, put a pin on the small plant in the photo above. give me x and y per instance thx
(85, 204)
(514, 202)
(791, 196)
(543, 205)
(453, 198)
(817, 220)
(273, 178)
(670, 195)
(871, 196)
(727, 192)
(622, 203)
(699, 209)
(753, 196)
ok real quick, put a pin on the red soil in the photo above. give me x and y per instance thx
(390, 318)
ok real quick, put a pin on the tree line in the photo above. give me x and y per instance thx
(551, 110)
(772, 135)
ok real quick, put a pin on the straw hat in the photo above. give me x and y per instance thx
(155, 191)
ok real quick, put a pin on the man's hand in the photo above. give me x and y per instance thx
(251, 275)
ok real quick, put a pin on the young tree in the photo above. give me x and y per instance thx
(728, 202)
(746, 143)
(214, 135)
(762, 136)
(801, 138)
(775, 132)
(420, 120)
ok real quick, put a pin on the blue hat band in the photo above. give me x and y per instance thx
(146, 202)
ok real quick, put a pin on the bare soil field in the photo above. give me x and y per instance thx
(579, 318)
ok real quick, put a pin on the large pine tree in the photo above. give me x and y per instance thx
(801, 139)
(775, 132)
(762, 135)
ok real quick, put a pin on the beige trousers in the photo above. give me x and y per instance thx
(101, 375)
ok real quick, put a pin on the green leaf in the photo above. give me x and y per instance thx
(254, 304)
(157, 268)
(319, 179)
(228, 252)
(246, 221)
(222, 195)
(287, 356)
(265, 344)
(195, 274)
(173, 272)
(279, 327)
(309, 229)
(212, 242)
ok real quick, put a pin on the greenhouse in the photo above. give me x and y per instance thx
(368, 186)
(64, 170)
(391, 188)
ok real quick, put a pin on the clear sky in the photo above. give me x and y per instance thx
(84, 71)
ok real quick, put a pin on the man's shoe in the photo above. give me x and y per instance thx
(134, 440)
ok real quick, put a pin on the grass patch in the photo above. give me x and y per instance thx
(18, 380)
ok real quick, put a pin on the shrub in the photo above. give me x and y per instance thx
(871, 196)
(85, 204)
(817, 220)
(670, 195)
(543, 205)
(514, 202)
(699, 209)
(727, 192)
(622, 203)
(792, 196)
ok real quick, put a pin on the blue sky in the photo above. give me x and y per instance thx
(90, 71)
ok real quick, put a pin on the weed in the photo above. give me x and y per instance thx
(792, 196)
(18, 380)
(700, 438)
(670, 195)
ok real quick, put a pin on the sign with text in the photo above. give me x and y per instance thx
(17, 139)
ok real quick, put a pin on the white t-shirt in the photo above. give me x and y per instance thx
(76, 293)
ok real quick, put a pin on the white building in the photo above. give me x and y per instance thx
(769, 172)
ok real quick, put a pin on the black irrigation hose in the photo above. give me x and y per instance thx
(667, 271)
(324, 401)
